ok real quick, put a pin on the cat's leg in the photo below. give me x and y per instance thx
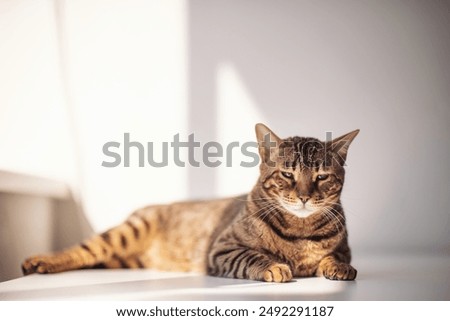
(335, 268)
(87, 254)
(118, 247)
(246, 263)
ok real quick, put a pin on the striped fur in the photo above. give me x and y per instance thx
(290, 225)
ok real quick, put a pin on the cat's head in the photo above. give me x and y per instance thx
(302, 174)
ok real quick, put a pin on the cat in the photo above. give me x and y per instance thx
(291, 224)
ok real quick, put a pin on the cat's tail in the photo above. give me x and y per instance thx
(119, 247)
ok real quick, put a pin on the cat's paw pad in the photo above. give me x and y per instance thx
(37, 264)
(278, 273)
(340, 271)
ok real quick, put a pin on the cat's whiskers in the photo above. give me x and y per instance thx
(336, 219)
(272, 206)
(266, 205)
(268, 212)
(269, 209)
(330, 217)
(351, 212)
(347, 210)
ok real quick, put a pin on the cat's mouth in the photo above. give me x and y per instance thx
(298, 209)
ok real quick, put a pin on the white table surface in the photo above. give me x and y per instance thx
(388, 277)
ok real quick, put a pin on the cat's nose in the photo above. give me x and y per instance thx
(304, 199)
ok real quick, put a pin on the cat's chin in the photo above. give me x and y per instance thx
(297, 211)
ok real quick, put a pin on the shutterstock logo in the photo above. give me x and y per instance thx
(213, 154)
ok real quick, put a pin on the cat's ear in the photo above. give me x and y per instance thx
(267, 140)
(340, 145)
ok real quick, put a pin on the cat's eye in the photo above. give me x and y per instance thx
(287, 174)
(322, 177)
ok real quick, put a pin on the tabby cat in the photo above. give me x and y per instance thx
(290, 225)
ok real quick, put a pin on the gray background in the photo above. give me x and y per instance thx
(317, 66)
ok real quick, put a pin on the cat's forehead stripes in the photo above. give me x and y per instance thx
(302, 153)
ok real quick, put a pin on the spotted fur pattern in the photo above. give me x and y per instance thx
(290, 225)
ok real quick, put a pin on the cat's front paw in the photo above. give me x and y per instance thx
(278, 273)
(340, 271)
(37, 264)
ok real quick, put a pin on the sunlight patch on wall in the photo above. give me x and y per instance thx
(34, 134)
(237, 116)
(127, 65)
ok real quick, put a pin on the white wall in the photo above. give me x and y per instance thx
(127, 71)
(34, 127)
